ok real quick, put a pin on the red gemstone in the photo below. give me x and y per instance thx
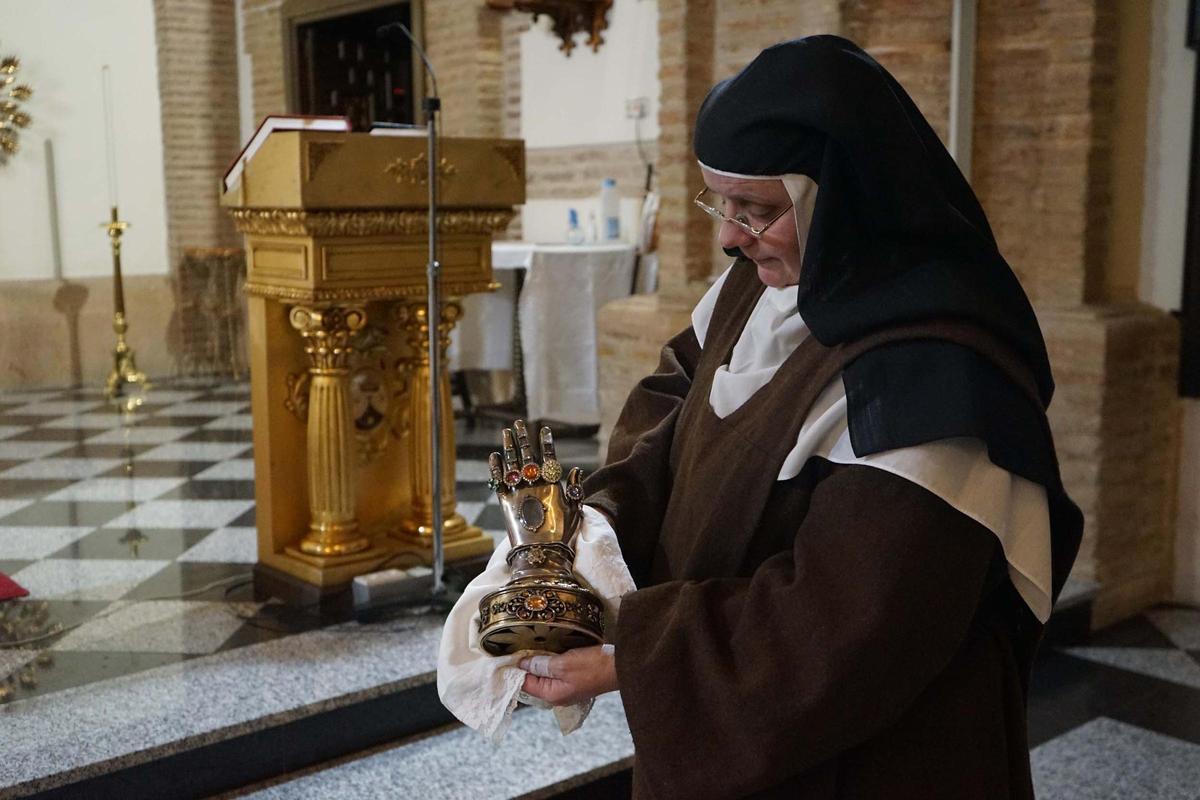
(512, 478)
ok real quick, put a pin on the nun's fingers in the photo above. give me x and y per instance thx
(551, 469)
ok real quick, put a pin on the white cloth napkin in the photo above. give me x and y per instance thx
(482, 690)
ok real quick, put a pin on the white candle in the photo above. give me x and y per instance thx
(110, 137)
(52, 196)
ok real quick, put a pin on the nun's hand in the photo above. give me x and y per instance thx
(572, 677)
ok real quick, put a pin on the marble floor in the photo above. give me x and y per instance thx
(142, 639)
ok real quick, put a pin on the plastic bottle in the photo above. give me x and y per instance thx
(592, 236)
(574, 232)
(610, 209)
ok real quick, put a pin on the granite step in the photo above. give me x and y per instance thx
(533, 761)
(214, 723)
(361, 696)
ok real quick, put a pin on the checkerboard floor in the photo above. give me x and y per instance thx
(137, 539)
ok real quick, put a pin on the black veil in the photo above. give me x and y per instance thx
(897, 235)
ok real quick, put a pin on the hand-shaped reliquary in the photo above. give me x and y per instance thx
(544, 606)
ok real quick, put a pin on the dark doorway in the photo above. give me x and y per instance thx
(346, 69)
(1189, 315)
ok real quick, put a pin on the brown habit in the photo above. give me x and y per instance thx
(843, 634)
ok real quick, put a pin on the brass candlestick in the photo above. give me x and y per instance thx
(126, 386)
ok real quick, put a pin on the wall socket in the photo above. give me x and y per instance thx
(637, 107)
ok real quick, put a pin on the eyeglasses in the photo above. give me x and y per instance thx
(709, 201)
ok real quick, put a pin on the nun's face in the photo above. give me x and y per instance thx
(777, 252)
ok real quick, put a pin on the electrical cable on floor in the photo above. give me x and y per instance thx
(114, 608)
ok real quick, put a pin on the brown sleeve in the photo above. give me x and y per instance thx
(633, 486)
(819, 650)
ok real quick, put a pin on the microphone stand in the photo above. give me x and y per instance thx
(434, 314)
(432, 105)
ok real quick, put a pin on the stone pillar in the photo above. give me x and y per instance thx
(1116, 425)
(198, 90)
(463, 40)
(1045, 112)
(262, 28)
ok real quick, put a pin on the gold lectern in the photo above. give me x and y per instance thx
(336, 250)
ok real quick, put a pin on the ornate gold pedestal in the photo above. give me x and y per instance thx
(337, 329)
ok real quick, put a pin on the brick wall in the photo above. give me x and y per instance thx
(262, 29)
(685, 72)
(1115, 423)
(511, 28)
(912, 39)
(745, 27)
(571, 172)
(463, 40)
(197, 77)
(1043, 115)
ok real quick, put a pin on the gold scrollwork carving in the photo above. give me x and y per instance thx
(361, 295)
(378, 392)
(328, 334)
(292, 222)
(415, 171)
(412, 317)
(378, 386)
(296, 397)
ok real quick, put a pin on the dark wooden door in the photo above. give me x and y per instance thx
(1189, 313)
(347, 69)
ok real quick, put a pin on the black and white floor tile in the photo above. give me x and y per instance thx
(139, 540)
(138, 533)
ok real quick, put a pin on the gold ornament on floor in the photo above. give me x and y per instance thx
(126, 386)
(544, 606)
(12, 118)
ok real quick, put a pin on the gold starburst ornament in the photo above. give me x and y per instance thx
(12, 118)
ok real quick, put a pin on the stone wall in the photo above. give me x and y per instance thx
(571, 172)
(1041, 122)
(59, 333)
(463, 40)
(198, 91)
(1116, 428)
(197, 78)
(262, 29)
(912, 39)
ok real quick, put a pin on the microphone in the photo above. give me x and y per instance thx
(382, 32)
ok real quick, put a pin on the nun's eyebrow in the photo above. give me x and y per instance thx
(753, 198)
(746, 196)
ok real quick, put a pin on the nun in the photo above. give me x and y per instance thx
(838, 495)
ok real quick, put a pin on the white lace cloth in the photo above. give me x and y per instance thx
(482, 690)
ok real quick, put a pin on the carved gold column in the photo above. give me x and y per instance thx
(327, 331)
(417, 524)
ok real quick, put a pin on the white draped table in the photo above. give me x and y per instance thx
(561, 289)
